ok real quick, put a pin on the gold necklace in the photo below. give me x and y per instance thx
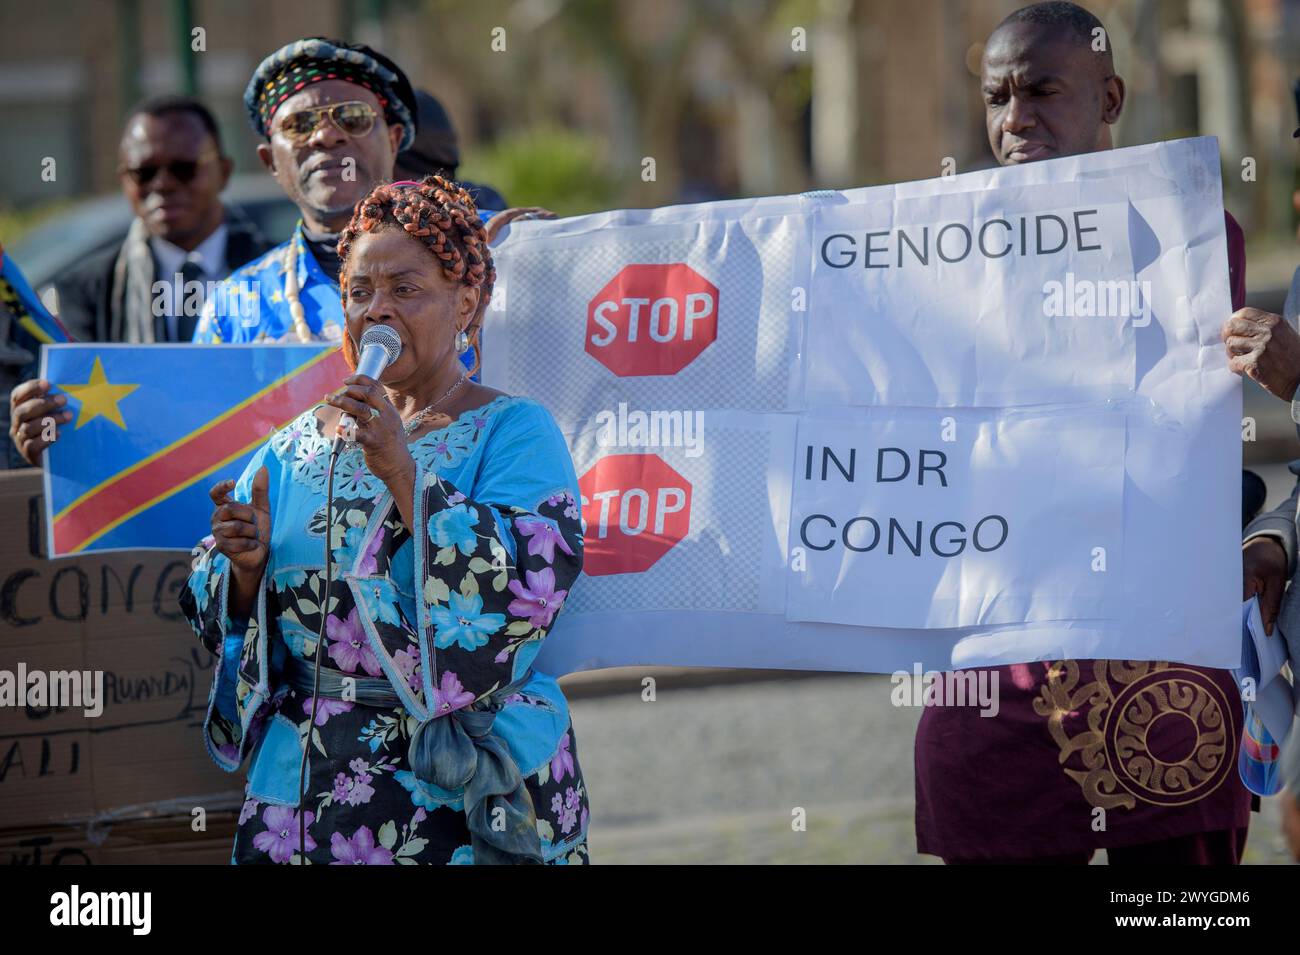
(291, 292)
(413, 422)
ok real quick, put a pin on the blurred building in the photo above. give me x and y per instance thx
(725, 97)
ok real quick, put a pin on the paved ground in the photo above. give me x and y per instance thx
(714, 768)
(713, 774)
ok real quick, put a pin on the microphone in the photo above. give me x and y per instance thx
(380, 347)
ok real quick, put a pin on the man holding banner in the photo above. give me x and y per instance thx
(1011, 787)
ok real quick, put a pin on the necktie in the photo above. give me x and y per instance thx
(185, 323)
(182, 322)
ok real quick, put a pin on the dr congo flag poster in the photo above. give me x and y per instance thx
(155, 426)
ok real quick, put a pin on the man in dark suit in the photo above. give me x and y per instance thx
(150, 288)
(172, 170)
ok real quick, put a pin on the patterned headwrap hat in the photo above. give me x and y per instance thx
(303, 62)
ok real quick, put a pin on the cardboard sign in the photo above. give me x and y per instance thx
(115, 617)
(166, 840)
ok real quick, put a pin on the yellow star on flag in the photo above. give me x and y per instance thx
(99, 397)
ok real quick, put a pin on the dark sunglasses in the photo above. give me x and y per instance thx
(354, 118)
(182, 170)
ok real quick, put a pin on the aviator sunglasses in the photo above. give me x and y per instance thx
(353, 117)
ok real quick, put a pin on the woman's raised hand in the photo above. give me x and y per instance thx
(243, 531)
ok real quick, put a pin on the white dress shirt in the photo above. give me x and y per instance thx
(209, 255)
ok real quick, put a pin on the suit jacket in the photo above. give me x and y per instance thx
(1282, 523)
(86, 292)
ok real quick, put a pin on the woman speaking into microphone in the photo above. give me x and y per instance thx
(376, 602)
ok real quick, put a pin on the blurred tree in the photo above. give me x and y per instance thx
(636, 76)
(773, 87)
(559, 169)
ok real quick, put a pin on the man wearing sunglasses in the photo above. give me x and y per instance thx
(334, 116)
(172, 170)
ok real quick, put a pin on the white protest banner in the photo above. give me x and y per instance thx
(972, 420)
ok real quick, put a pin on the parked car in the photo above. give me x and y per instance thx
(85, 228)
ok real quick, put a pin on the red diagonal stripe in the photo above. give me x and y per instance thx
(1258, 750)
(204, 450)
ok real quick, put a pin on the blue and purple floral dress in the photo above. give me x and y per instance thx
(451, 616)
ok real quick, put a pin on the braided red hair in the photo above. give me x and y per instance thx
(442, 215)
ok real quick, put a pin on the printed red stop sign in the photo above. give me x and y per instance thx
(636, 508)
(652, 320)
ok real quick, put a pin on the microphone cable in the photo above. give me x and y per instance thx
(380, 346)
(320, 641)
